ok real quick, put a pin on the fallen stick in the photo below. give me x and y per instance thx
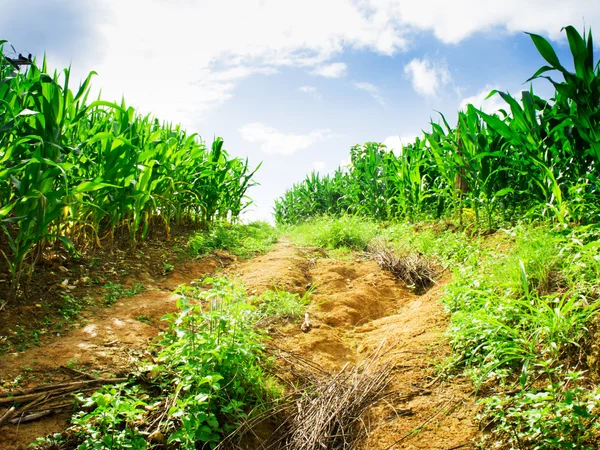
(422, 425)
(54, 408)
(458, 446)
(7, 415)
(20, 398)
(78, 373)
(31, 417)
(51, 387)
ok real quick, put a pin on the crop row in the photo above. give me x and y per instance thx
(534, 158)
(75, 171)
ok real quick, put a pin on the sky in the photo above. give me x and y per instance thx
(295, 84)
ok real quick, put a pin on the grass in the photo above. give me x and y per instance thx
(243, 240)
(282, 305)
(523, 302)
(342, 234)
(207, 373)
(115, 291)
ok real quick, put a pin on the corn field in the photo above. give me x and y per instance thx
(535, 158)
(75, 171)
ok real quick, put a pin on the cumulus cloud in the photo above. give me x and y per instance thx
(396, 143)
(181, 59)
(334, 70)
(426, 76)
(452, 22)
(370, 89)
(311, 90)
(319, 165)
(490, 105)
(272, 140)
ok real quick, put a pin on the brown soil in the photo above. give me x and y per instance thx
(355, 307)
(34, 317)
(109, 345)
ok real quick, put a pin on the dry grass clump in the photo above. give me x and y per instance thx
(326, 413)
(414, 269)
(330, 415)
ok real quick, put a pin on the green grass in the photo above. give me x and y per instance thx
(116, 291)
(209, 368)
(283, 305)
(521, 313)
(241, 240)
(346, 232)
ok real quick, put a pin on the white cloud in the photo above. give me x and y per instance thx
(161, 63)
(427, 76)
(490, 106)
(451, 22)
(319, 165)
(334, 70)
(372, 90)
(272, 140)
(311, 90)
(396, 143)
(181, 59)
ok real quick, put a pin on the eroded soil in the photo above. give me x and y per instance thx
(356, 308)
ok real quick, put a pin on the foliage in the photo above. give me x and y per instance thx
(116, 291)
(74, 171)
(207, 376)
(239, 239)
(522, 316)
(556, 417)
(280, 304)
(535, 158)
(351, 232)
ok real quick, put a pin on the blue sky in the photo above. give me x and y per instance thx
(295, 84)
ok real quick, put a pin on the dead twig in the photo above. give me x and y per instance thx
(7, 415)
(328, 413)
(12, 396)
(422, 425)
(78, 373)
(32, 417)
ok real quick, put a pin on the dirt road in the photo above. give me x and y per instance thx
(355, 308)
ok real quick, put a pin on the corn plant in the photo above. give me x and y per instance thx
(78, 172)
(534, 158)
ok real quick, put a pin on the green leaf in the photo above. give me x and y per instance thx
(546, 50)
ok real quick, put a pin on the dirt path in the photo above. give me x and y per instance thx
(355, 306)
(108, 346)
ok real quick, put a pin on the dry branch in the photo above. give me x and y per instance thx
(7, 415)
(52, 387)
(31, 417)
(45, 400)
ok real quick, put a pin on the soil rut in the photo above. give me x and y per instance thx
(355, 306)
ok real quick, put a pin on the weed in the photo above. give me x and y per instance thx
(282, 305)
(116, 291)
(241, 240)
(70, 307)
(207, 374)
(334, 233)
(167, 267)
(72, 363)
